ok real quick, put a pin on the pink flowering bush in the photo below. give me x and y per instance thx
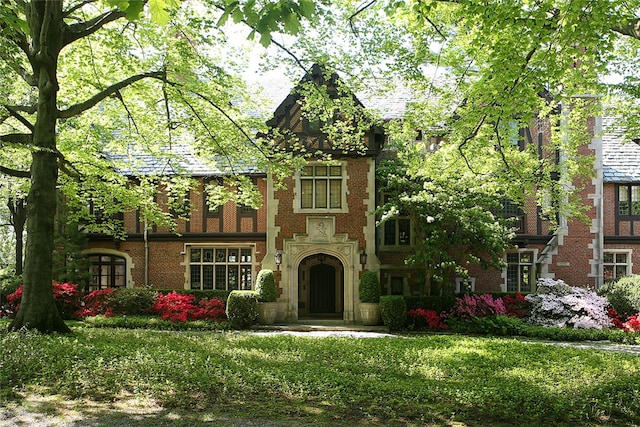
(65, 295)
(178, 307)
(470, 306)
(426, 318)
(632, 324)
(557, 304)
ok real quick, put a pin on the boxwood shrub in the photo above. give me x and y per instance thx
(242, 309)
(369, 289)
(393, 310)
(266, 286)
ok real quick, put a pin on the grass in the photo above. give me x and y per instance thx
(199, 376)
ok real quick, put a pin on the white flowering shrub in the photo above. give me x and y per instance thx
(557, 304)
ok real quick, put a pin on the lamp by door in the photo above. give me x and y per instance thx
(278, 259)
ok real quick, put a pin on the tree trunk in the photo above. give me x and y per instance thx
(37, 308)
(18, 219)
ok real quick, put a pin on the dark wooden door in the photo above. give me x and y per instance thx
(323, 289)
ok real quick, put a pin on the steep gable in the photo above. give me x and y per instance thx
(298, 126)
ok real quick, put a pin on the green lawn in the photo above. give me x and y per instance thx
(416, 380)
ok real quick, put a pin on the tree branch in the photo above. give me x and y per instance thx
(13, 111)
(17, 138)
(80, 5)
(15, 172)
(77, 109)
(82, 29)
(632, 29)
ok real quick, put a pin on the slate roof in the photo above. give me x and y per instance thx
(175, 160)
(620, 156)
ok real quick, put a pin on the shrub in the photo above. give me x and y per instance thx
(95, 303)
(516, 305)
(488, 325)
(179, 307)
(132, 300)
(425, 319)
(437, 303)
(560, 305)
(623, 294)
(469, 306)
(393, 310)
(65, 295)
(9, 284)
(200, 294)
(632, 324)
(266, 287)
(242, 308)
(369, 289)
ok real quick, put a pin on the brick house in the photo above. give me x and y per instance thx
(319, 234)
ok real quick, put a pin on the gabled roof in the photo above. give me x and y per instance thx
(620, 156)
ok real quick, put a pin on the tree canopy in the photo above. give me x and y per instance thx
(87, 86)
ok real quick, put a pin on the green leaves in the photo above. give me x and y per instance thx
(268, 17)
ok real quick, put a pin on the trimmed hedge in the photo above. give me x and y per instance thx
(242, 309)
(266, 286)
(393, 310)
(369, 289)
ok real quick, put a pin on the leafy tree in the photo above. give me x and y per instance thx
(452, 214)
(84, 78)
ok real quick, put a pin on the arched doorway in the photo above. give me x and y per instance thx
(321, 287)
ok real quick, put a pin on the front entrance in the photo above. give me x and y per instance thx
(321, 287)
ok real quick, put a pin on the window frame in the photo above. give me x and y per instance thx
(395, 222)
(532, 271)
(633, 206)
(328, 178)
(111, 275)
(614, 264)
(244, 269)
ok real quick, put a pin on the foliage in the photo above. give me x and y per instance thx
(471, 306)
(9, 283)
(174, 65)
(132, 300)
(632, 324)
(560, 305)
(422, 318)
(96, 303)
(623, 294)
(242, 309)
(266, 286)
(65, 295)
(178, 307)
(488, 325)
(369, 289)
(451, 215)
(516, 305)
(405, 377)
(69, 263)
(393, 310)
(149, 322)
(200, 294)
(437, 303)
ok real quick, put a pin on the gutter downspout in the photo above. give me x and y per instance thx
(146, 253)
